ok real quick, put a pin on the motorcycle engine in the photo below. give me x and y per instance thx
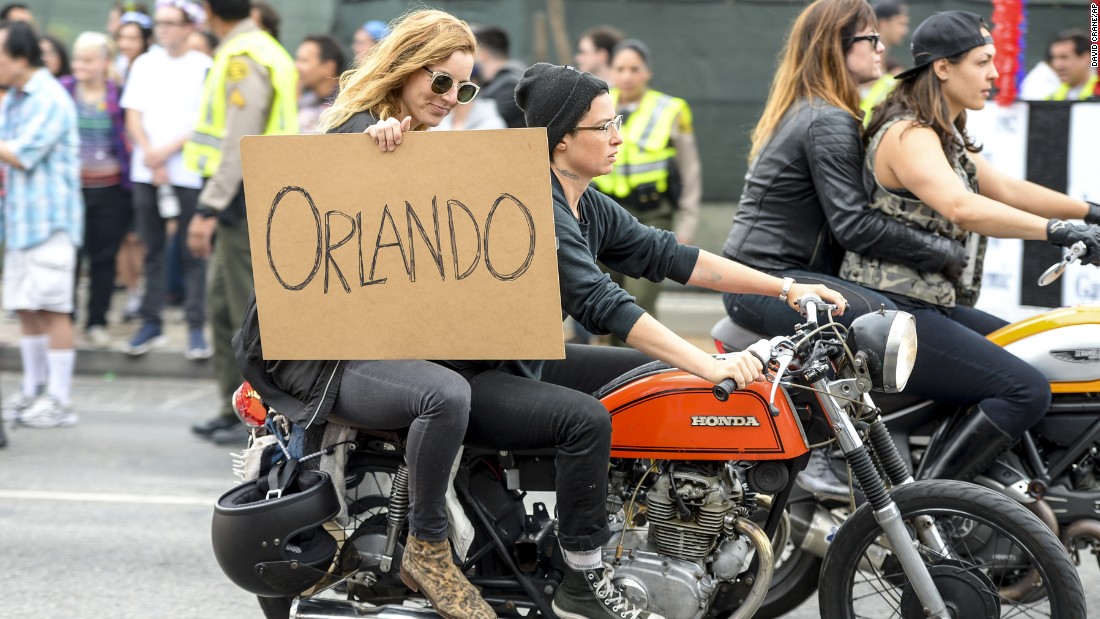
(687, 512)
(674, 566)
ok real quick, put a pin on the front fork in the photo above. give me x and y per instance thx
(886, 511)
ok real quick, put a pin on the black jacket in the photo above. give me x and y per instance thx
(302, 391)
(501, 89)
(804, 202)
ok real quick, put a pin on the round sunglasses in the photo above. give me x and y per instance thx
(442, 84)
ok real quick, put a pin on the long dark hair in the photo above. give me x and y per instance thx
(922, 96)
(812, 63)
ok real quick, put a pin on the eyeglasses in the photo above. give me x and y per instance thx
(873, 38)
(168, 24)
(616, 123)
(442, 84)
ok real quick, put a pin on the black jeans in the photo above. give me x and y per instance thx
(434, 404)
(958, 365)
(107, 215)
(772, 317)
(152, 228)
(512, 412)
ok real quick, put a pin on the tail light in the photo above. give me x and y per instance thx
(249, 407)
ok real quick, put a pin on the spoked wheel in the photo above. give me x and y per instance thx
(999, 560)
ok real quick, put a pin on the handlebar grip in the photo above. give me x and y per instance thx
(723, 389)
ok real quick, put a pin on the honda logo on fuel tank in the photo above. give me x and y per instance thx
(724, 420)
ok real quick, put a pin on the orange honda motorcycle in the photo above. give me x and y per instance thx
(698, 486)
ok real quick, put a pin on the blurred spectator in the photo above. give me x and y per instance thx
(16, 11)
(253, 86)
(202, 41)
(54, 56)
(498, 75)
(893, 27)
(658, 176)
(319, 60)
(477, 114)
(266, 17)
(117, 10)
(135, 34)
(162, 103)
(1068, 54)
(42, 225)
(594, 51)
(104, 172)
(1039, 82)
(365, 37)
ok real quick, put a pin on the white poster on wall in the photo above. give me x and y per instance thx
(1081, 283)
(1002, 132)
(1001, 276)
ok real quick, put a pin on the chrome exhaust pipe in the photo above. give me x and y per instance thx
(317, 608)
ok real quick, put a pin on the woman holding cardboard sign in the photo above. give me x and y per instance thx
(410, 75)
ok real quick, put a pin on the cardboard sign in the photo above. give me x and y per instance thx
(441, 249)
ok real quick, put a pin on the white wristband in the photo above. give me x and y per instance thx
(787, 283)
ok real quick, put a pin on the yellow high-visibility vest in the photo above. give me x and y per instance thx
(876, 94)
(1063, 91)
(203, 153)
(645, 156)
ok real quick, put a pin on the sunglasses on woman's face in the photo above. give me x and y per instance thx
(442, 84)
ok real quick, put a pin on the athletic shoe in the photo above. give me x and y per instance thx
(14, 407)
(98, 337)
(147, 338)
(197, 348)
(48, 412)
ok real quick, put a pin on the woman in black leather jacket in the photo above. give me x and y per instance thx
(804, 202)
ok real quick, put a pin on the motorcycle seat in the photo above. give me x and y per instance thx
(732, 337)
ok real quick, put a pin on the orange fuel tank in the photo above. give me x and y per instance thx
(671, 414)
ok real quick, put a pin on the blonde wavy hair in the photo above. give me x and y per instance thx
(813, 63)
(416, 40)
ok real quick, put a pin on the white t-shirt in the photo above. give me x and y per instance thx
(167, 92)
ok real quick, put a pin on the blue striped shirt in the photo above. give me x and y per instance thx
(38, 124)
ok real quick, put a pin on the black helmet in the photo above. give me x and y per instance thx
(274, 544)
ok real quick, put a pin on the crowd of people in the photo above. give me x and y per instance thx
(864, 187)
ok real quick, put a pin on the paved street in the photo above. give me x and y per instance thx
(111, 518)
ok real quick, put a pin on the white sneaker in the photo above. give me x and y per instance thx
(14, 407)
(48, 412)
(98, 337)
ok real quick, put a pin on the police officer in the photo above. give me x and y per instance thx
(657, 170)
(251, 89)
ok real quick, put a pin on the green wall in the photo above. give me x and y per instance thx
(717, 54)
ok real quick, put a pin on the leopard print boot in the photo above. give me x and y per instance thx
(427, 567)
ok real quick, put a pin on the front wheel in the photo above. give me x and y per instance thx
(999, 561)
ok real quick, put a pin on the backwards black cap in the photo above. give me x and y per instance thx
(944, 35)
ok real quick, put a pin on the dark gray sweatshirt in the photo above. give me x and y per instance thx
(608, 233)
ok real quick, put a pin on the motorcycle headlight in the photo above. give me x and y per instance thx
(889, 340)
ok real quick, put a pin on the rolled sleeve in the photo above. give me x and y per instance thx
(41, 131)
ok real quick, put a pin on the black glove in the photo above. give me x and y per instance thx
(1093, 216)
(1063, 233)
(954, 255)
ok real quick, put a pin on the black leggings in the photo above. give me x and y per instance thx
(958, 365)
(513, 412)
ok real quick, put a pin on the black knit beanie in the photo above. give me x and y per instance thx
(556, 97)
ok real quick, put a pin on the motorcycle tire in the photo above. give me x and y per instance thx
(974, 585)
(795, 581)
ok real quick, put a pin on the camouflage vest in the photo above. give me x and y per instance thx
(933, 288)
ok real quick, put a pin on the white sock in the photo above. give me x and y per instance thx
(32, 349)
(583, 559)
(61, 374)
